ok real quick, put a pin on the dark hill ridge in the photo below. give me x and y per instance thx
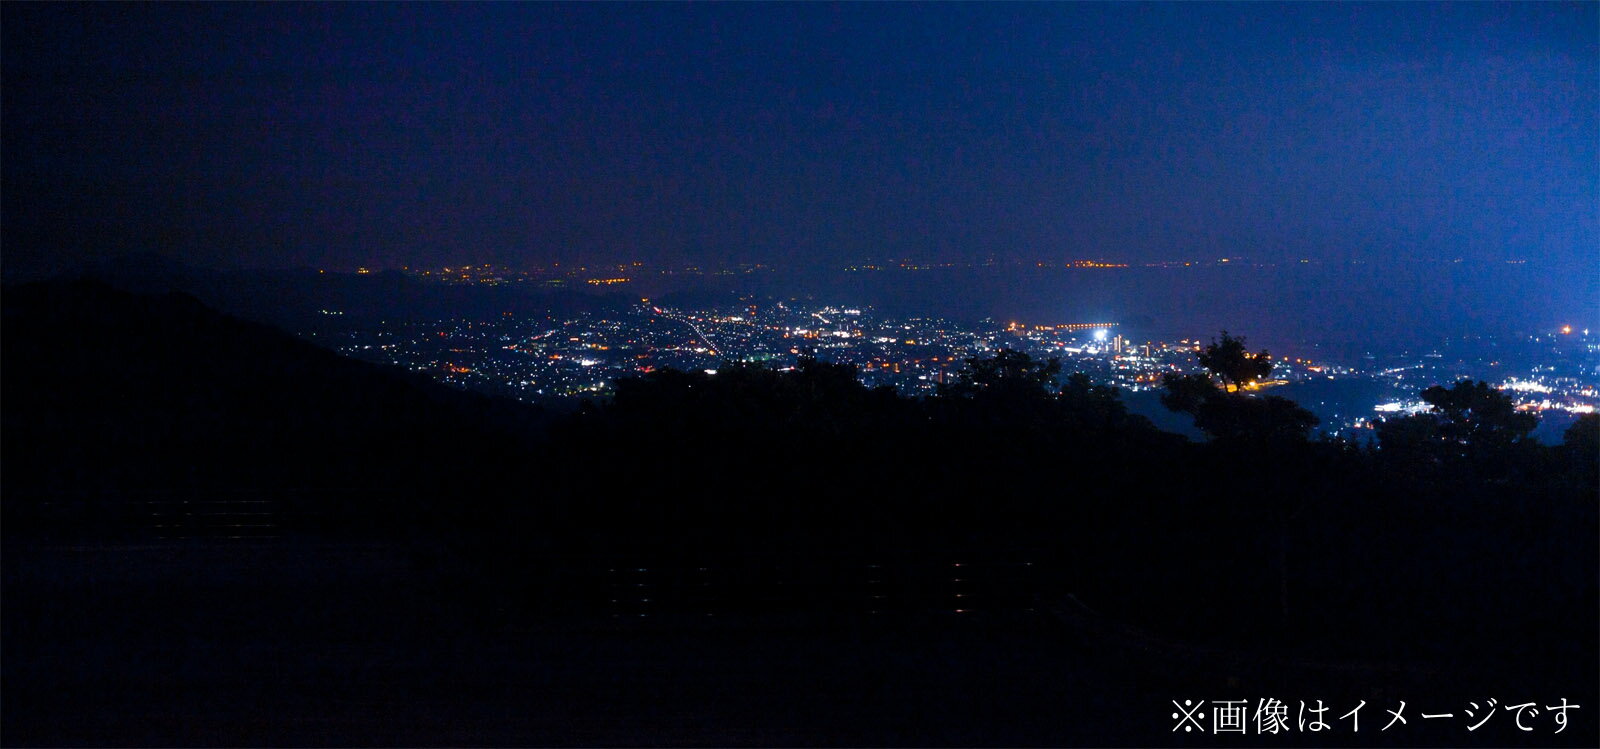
(767, 503)
(293, 298)
(111, 395)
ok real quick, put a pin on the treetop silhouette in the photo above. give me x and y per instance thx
(1229, 360)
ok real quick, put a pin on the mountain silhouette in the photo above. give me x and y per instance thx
(112, 396)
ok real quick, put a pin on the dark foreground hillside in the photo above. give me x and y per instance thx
(215, 534)
(114, 398)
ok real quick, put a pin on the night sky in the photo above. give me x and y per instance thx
(353, 134)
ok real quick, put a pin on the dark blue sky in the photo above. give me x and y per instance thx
(344, 134)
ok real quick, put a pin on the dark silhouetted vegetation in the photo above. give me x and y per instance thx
(1229, 360)
(1454, 540)
(114, 398)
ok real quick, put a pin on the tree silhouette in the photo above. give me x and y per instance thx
(1583, 437)
(1466, 419)
(1228, 359)
(1268, 421)
(1185, 393)
(1007, 373)
(1249, 429)
(1475, 413)
(1580, 450)
(1234, 417)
